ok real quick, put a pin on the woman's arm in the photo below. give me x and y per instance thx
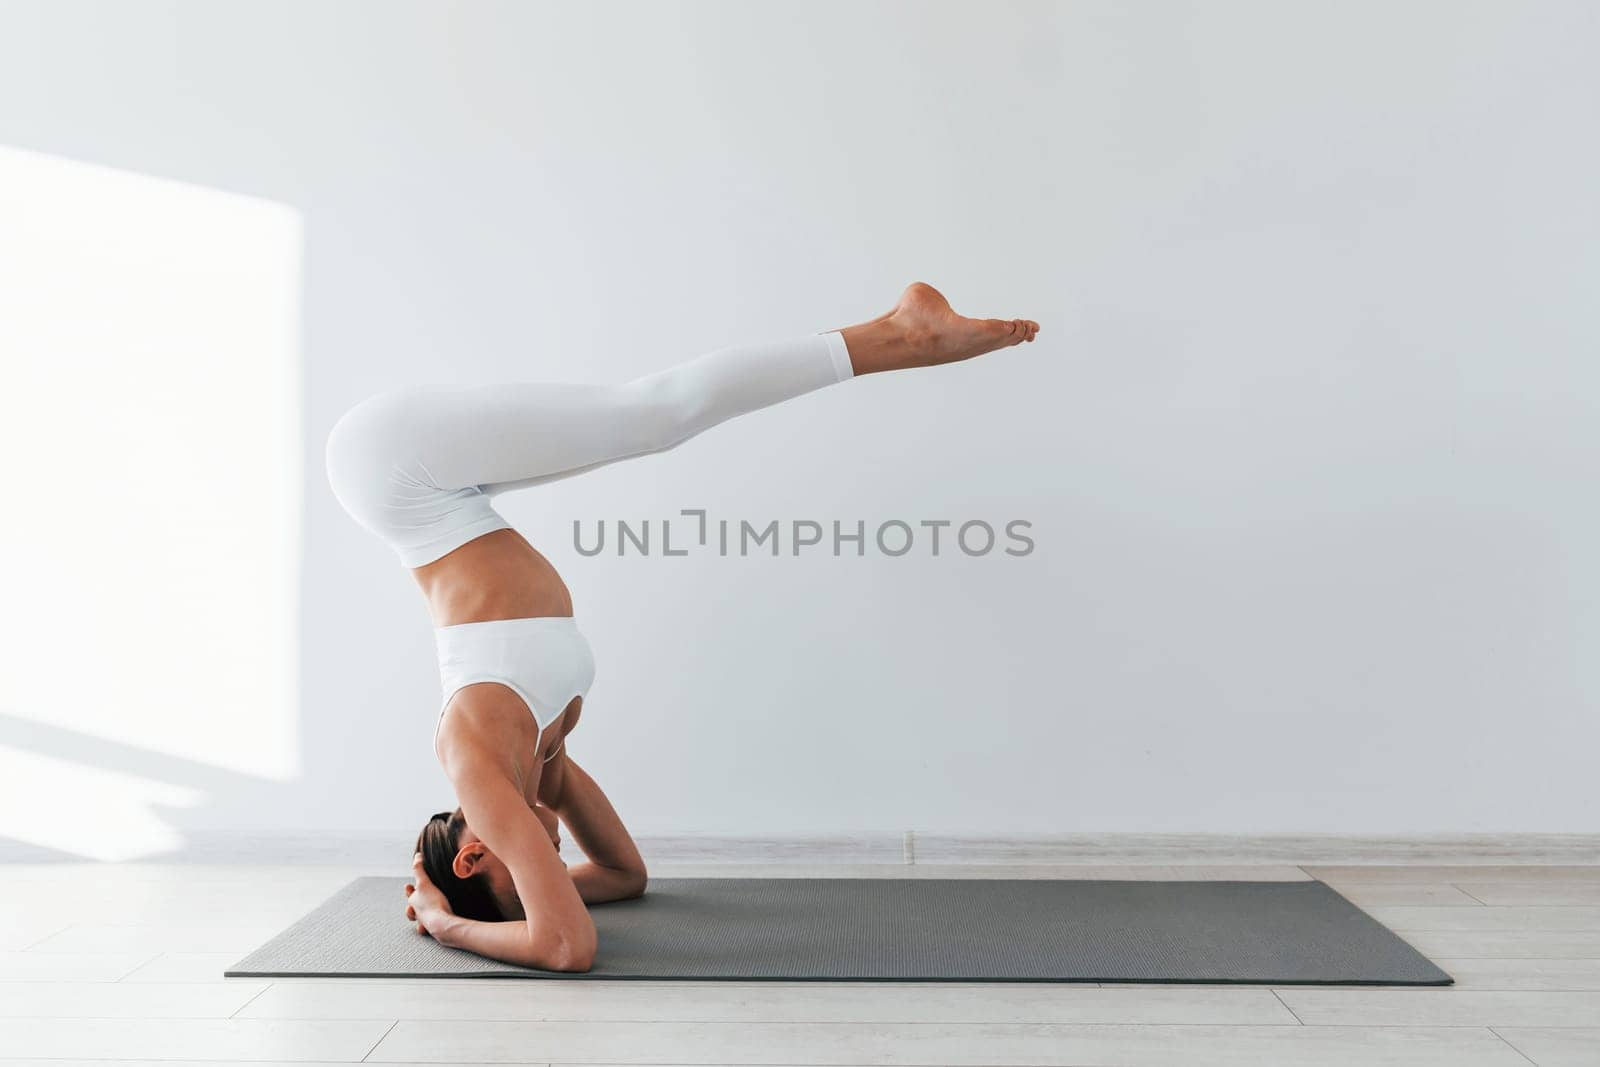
(557, 933)
(508, 941)
(615, 870)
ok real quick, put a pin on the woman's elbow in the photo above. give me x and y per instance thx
(574, 953)
(634, 884)
(573, 960)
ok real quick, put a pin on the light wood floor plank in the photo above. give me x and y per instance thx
(168, 899)
(880, 847)
(133, 878)
(219, 1040)
(184, 967)
(1072, 871)
(1240, 873)
(1507, 944)
(29, 929)
(1440, 1007)
(766, 1002)
(191, 1063)
(1556, 1048)
(956, 1046)
(1553, 919)
(168, 935)
(69, 967)
(1406, 894)
(1393, 875)
(1322, 849)
(779, 870)
(1575, 975)
(117, 1000)
(1533, 894)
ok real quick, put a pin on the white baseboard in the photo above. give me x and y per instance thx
(933, 849)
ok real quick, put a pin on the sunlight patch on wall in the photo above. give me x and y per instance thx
(149, 417)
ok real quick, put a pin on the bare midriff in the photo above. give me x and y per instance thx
(496, 576)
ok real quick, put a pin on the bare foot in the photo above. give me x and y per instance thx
(942, 336)
(923, 331)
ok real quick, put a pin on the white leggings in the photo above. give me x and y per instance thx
(418, 466)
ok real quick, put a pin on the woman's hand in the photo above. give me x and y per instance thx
(425, 904)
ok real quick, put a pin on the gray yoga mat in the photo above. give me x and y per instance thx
(900, 929)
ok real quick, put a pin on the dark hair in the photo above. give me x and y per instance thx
(439, 842)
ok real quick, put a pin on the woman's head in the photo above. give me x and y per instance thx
(466, 872)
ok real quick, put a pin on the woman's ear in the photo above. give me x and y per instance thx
(468, 859)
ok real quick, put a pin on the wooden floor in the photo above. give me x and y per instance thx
(122, 963)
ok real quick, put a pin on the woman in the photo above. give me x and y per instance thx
(419, 466)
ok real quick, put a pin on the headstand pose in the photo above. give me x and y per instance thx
(419, 467)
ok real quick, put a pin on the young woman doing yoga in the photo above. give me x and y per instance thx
(419, 467)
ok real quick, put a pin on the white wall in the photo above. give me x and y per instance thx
(1308, 440)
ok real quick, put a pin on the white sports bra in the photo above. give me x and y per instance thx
(546, 661)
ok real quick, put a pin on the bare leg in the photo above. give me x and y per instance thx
(923, 330)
